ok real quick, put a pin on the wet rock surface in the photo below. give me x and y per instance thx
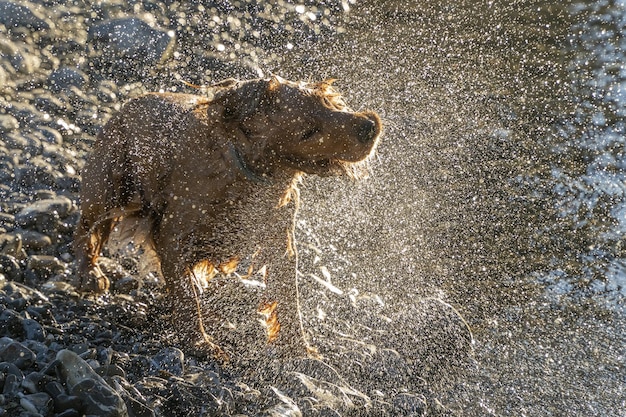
(65, 67)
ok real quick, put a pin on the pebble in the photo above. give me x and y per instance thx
(44, 210)
(37, 403)
(64, 78)
(13, 15)
(8, 123)
(45, 264)
(18, 354)
(11, 244)
(131, 38)
(96, 396)
(170, 360)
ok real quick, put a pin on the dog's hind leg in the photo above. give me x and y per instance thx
(282, 301)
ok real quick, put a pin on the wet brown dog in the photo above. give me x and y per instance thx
(210, 180)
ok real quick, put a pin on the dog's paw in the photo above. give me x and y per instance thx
(93, 281)
(204, 347)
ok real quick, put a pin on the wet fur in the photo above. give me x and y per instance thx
(204, 181)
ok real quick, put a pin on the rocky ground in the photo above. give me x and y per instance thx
(65, 66)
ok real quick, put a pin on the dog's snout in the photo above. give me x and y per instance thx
(367, 131)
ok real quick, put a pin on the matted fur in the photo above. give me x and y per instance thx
(204, 181)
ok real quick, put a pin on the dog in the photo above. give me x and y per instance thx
(205, 181)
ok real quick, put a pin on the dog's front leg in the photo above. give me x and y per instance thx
(281, 307)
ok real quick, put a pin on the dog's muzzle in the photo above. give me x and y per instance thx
(368, 131)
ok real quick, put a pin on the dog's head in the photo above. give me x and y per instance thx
(306, 127)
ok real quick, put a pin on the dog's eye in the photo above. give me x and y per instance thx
(310, 133)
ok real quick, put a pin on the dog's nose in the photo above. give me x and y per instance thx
(367, 131)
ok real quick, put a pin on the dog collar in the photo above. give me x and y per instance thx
(243, 166)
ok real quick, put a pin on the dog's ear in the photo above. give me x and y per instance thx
(242, 99)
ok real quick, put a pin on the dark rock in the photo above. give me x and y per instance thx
(17, 354)
(32, 239)
(133, 39)
(10, 323)
(10, 267)
(64, 402)
(11, 369)
(6, 219)
(64, 78)
(127, 284)
(58, 207)
(33, 330)
(80, 349)
(17, 290)
(50, 135)
(45, 265)
(36, 173)
(17, 56)
(24, 141)
(39, 348)
(170, 360)
(50, 104)
(13, 15)
(11, 385)
(70, 412)
(97, 397)
(220, 68)
(11, 244)
(39, 403)
(54, 388)
(26, 114)
(136, 408)
(33, 382)
(108, 371)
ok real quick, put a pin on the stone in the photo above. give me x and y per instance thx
(17, 56)
(8, 123)
(17, 354)
(54, 388)
(10, 323)
(9, 368)
(59, 207)
(51, 104)
(70, 412)
(32, 239)
(50, 135)
(169, 359)
(37, 172)
(97, 397)
(11, 385)
(65, 77)
(47, 264)
(64, 402)
(6, 219)
(32, 382)
(13, 15)
(33, 330)
(126, 285)
(108, 371)
(132, 38)
(38, 403)
(11, 244)
(10, 267)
